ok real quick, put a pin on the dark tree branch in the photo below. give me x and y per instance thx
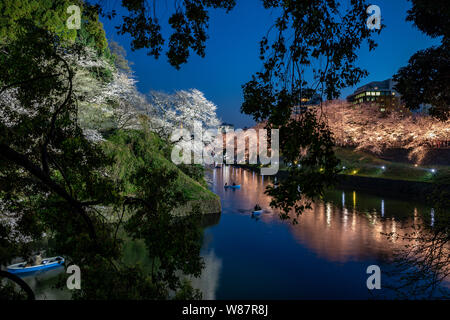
(10, 154)
(26, 81)
(25, 287)
(51, 133)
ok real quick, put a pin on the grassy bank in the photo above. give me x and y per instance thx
(132, 149)
(363, 164)
(359, 163)
(366, 172)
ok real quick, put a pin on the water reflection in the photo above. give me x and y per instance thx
(325, 228)
(324, 256)
(432, 217)
(334, 231)
(44, 285)
(208, 282)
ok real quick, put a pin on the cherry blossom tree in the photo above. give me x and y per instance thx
(185, 109)
(366, 127)
(104, 104)
(181, 110)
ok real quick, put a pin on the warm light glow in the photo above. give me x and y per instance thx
(354, 199)
(362, 127)
(328, 214)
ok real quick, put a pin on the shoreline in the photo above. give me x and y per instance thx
(378, 186)
(205, 207)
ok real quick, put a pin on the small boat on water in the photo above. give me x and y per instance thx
(46, 264)
(257, 210)
(234, 187)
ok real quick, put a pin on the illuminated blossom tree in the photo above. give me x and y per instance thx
(365, 127)
(105, 102)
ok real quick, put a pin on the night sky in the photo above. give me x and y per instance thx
(233, 47)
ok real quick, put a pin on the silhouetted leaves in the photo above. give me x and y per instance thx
(425, 80)
(189, 23)
(317, 36)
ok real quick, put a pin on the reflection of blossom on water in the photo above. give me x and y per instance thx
(345, 228)
(208, 282)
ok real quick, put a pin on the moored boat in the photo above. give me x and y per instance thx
(46, 264)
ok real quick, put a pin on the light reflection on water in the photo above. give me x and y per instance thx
(324, 256)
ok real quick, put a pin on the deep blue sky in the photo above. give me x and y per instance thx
(232, 54)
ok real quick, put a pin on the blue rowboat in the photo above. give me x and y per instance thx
(47, 264)
(234, 187)
(257, 212)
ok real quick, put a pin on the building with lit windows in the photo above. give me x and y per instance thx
(376, 91)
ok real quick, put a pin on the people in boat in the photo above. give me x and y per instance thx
(38, 259)
(226, 184)
(257, 207)
(234, 183)
(29, 263)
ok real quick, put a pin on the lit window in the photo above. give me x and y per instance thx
(382, 109)
(378, 93)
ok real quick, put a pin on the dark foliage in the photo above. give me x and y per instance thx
(55, 181)
(323, 37)
(426, 80)
(431, 17)
(189, 25)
